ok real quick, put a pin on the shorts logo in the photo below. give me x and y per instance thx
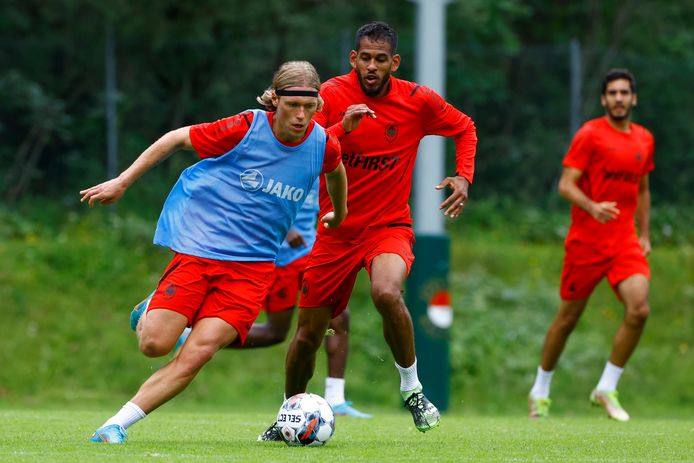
(251, 180)
(282, 293)
(391, 132)
(170, 290)
(304, 289)
(639, 157)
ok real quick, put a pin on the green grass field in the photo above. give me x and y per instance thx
(207, 436)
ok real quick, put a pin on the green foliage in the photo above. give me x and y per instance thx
(180, 63)
(67, 292)
(229, 435)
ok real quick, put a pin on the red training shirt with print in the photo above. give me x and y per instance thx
(214, 139)
(379, 155)
(613, 163)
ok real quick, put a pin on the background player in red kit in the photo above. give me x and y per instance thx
(379, 158)
(606, 179)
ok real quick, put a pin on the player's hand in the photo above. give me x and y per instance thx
(645, 243)
(604, 211)
(455, 202)
(330, 221)
(104, 193)
(354, 114)
(295, 239)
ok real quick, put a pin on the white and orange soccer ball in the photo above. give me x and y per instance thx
(306, 420)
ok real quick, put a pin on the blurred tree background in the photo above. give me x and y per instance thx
(181, 62)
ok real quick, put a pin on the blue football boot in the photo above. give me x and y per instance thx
(111, 434)
(346, 409)
(138, 310)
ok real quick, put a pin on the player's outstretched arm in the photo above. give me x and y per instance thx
(455, 202)
(111, 191)
(643, 214)
(336, 183)
(568, 188)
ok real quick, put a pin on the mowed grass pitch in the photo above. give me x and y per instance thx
(170, 436)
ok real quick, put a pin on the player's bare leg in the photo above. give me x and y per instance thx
(634, 293)
(388, 274)
(567, 317)
(301, 355)
(560, 330)
(158, 331)
(207, 337)
(273, 331)
(337, 347)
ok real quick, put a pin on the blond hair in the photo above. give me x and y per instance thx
(291, 74)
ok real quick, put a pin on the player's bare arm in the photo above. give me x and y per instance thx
(111, 191)
(354, 114)
(643, 214)
(603, 211)
(455, 202)
(336, 184)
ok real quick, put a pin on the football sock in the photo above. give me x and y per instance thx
(126, 416)
(543, 380)
(610, 378)
(335, 390)
(409, 381)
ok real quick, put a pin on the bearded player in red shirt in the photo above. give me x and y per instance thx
(392, 116)
(606, 179)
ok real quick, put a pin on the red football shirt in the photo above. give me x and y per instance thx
(613, 163)
(379, 155)
(214, 139)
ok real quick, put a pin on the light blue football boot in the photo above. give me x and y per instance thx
(182, 339)
(138, 310)
(346, 409)
(111, 434)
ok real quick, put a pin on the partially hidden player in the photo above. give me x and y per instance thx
(379, 147)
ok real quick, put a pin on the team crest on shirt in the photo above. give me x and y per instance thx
(251, 180)
(391, 132)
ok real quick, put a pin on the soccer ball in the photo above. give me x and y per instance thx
(306, 419)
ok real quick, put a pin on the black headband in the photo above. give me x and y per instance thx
(313, 93)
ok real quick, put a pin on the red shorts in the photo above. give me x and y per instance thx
(284, 286)
(202, 288)
(333, 264)
(585, 265)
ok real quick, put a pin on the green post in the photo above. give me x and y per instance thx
(429, 304)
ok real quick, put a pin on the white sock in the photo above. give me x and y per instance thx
(610, 377)
(408, 377)
(543, 380)
(126, 416)
(335, 390)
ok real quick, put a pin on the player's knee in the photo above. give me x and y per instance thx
(152, 347)
(386, 297)
(638, 314)
(567, 322)
(193, 358)
(308, 340)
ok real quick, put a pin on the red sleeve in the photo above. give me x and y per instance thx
(214, 139)
(333, 154)
(650, 162)
(580, 150)
(442, 118)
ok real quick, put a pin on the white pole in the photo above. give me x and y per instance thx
(430, 53)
